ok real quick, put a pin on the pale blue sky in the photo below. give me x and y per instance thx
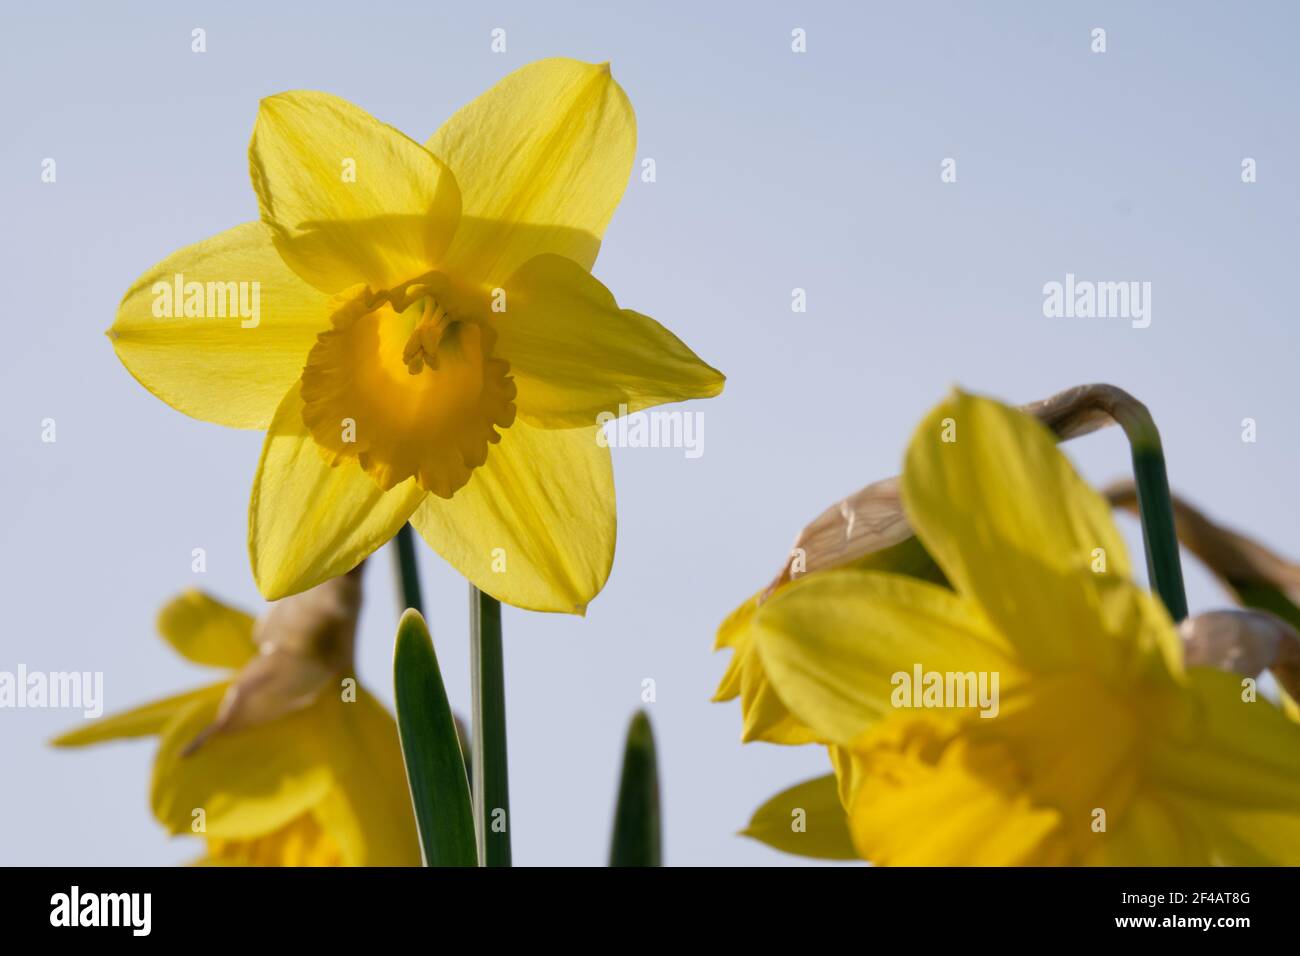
(775, 171)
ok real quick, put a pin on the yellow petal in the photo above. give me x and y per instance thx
(1160, 828)
(535, 525)
(206, 631)
(735, 633)
(368, 813)
(765, 716)
(249, 327)
(248, 783)
(833, 644)
(1151, 831)
(301, 842)
(349, 199)
(1239, 755)
(141, 721)
(576, 355)
(925, 800)
(1014, 527)
(1163, 828)
(1243, 838)
(542, 160)
(308, 522)
(806, 820)
(849, 769)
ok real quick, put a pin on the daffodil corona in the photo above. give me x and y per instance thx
(1106, 745)
(429, 344)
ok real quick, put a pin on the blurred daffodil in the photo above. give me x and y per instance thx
(287, 761)
(417, 329)
(1100, 743)
(869, 531)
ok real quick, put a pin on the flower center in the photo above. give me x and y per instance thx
(1024, 787)
(422, 347)
(406, 384)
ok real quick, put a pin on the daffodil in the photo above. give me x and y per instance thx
(1103, 745)
(286, 761)
(418, 330)
(868, 530)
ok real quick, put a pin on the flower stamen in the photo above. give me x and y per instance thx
(422, 346)
(407, 388)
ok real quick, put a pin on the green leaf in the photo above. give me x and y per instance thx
(637, 840)
(806, 820)
(435, 768)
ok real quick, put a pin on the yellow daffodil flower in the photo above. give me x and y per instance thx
(868, 530)
(1099, 743)
(417, 329)
(286, 762)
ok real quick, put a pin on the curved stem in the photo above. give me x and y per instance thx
(1080, 410)
(1156, 510)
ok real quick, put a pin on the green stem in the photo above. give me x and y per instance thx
(407, 572)
(1155, 506)
(487, 678)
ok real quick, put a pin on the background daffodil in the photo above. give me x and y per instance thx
(868, 531)
(1107, 747)
(430, 344)
(289, 766)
